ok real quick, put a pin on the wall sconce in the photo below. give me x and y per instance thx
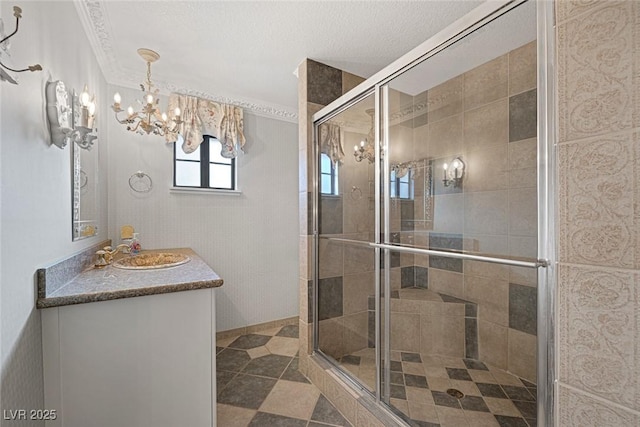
(84, 119)
(453, 175)
(70, 120)
(4, 50)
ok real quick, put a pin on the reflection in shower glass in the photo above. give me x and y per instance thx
(346, 270)
(462, 133)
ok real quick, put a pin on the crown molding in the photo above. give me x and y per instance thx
(96, 25)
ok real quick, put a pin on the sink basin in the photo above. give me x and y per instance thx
(151, 261)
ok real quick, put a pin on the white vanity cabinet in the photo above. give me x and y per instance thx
(147, 361)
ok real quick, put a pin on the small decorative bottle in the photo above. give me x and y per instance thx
(135, 244)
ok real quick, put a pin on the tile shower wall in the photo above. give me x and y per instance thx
(487, 116)
(598, 50)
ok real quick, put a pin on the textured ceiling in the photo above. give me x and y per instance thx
(245, 52)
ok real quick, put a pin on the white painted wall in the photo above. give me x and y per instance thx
(35, 192)
(250, 240)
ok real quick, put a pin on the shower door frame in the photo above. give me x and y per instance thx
(546, 171)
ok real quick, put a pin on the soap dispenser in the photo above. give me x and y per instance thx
(135, 244)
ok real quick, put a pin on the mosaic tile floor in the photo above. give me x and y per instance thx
(419, 384)
(258, 384)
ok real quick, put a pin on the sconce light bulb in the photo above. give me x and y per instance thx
(177, 112)
(361, 143)
(130, 110)
(164, 117)
(445, 166)
(456, 164)
(355, 148)
(117, 98)
(84, 96)
(149, 99)
(92, 108)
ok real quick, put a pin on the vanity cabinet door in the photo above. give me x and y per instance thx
(137, 362)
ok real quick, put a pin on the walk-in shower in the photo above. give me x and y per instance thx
(426, 225)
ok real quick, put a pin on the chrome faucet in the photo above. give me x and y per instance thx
(105, 256)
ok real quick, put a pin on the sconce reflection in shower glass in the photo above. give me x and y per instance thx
(453, 173)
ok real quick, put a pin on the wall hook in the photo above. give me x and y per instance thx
(17, 12)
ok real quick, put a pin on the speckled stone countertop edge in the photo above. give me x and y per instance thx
(84, 290)
(125, 293)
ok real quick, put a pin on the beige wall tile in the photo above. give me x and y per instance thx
(522, 246)
(303, 299)
(331, 337)
(486, 168)
(441, 335)
(445, 99)
(486, 83)
(599, 332)
(487, 125)
(596, 212)
(337, 392)
(523, 72)
(448, 213)
(492, 344)
(522, 355)
(492, 296)
(404, 330)
(349, 81)
(486, 269)
(355, 331)
(523, 154)
(523, 178)
(578, 409)
(446, 282)
(330, 258)
(523, 276)
(568, 9)
(487, 243)
(486, 212)
(358, 259)
(523, 212)
(356, 291)
(595, 73)
(303, 254)
(445, 137)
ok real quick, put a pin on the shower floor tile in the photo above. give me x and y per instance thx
(489, 396)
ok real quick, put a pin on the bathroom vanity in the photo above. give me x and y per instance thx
(126, 347)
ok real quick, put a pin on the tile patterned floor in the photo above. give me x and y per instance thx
(419, 384)
(258, 384)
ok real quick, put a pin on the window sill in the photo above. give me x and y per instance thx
(205, 190)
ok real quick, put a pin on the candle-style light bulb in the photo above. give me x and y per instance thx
(84, 96)
(92, 108)
(149, 99)
(130, 110)
(176, 112)
(164, 117)
(456, 164)
(361, 143)
(117, 98)
(445, 166)
(355, 148)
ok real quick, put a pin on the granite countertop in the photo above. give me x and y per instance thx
(108, 283)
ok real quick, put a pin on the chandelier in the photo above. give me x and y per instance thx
(365, 149)
(148, 119)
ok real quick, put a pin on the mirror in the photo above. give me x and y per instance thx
(84, 180)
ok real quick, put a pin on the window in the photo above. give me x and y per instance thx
(204, 168)
(401, 188)
(328, 176)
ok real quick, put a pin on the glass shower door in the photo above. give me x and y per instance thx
(460, 229)
(345, 223)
